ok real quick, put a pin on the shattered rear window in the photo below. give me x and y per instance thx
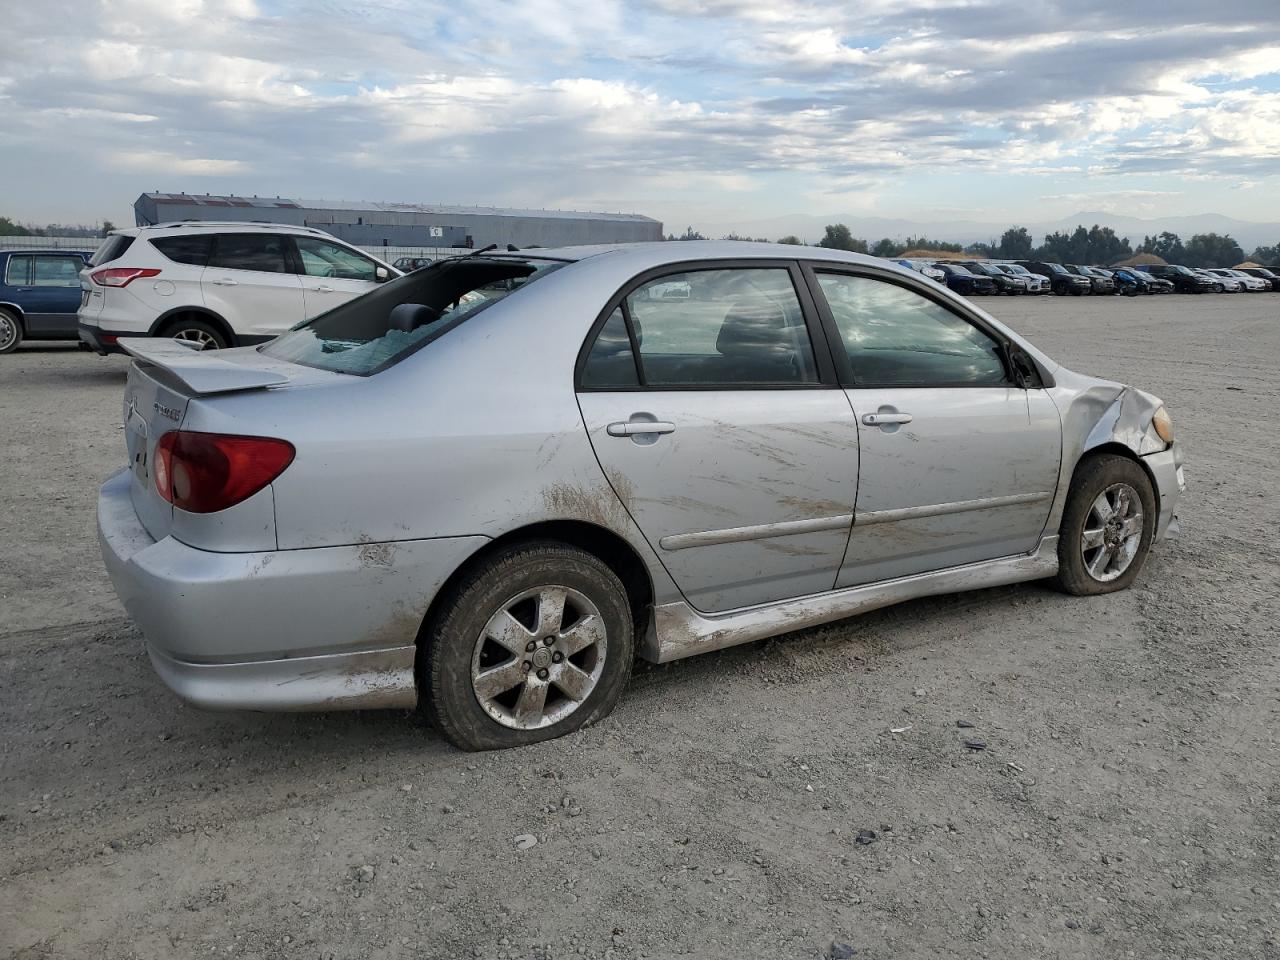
(371, 333)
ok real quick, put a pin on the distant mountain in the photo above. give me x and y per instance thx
(811, 228)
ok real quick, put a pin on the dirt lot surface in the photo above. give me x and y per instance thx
(1127, 804)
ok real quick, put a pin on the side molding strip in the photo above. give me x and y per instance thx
(677, 630)
(763, 531)
(957, 506)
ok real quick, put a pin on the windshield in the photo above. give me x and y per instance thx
(1056, 267)
(370, 333)
(956, 268)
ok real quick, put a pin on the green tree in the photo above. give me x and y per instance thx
(1266, 255)
(107, 227)
(1168, 246)
(791, 240)
(689, 234)
(1015, 244)
(838, 237)
(1213, 250)
(10, 229)
(887, 248)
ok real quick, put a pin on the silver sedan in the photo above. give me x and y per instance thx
(484, 488)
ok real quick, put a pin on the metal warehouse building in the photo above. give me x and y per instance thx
(408, 224)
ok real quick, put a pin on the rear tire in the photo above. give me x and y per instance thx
(1098, 553)
(206, 334)
(535, 643)
(10, 332)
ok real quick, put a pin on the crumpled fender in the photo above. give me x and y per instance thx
(1096, 413)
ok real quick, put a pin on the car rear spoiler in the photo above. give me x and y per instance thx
(199, 370)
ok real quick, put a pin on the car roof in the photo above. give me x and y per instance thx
(658, 253)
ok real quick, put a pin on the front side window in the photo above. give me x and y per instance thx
(323, 259)
(17, 273)
(730, 327)
(896, 337)
(57, 271)
(262, 252)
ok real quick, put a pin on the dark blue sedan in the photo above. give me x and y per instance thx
(39, 295)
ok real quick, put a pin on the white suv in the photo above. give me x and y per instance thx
(219, 284)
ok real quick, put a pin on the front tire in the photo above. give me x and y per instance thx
(1107, 526)
(10, 332)
(535, 643)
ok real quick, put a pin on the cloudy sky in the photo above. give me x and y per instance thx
(693, 113)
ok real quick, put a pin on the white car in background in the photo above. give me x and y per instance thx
(217, 284)
(1250, 283)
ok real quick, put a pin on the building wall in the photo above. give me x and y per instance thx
(374, 228)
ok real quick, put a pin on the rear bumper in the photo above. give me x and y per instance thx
(100, 341)
(1166, 468)
(328, 628)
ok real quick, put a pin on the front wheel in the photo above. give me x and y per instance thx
(1107, 526)
(535, 643)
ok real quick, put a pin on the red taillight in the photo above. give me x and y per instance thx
(206, 472)
(121, 276)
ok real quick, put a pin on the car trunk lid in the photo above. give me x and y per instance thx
(165, 377)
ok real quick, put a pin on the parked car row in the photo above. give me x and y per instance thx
(991, 277)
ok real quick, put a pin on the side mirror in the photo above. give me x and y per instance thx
(1025, 373)
(381, 274)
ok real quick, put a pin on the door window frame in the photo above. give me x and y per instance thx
(818, 339)
(835, 341)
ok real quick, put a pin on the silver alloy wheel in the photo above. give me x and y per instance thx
(8, 330)
(1112, 532)
(539, 657)
(194, 335)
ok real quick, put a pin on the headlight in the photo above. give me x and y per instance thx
(1163, 424)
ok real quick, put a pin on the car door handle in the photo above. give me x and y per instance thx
(633, 428)
(225, 282)
(323, 289)
(883, 419)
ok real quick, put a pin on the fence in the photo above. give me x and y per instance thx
(49, 243)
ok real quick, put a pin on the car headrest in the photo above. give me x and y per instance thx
(753, 328)
(410, 316)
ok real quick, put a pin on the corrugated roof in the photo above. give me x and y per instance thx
(387, 207)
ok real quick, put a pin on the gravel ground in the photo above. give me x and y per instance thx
(1127, 804)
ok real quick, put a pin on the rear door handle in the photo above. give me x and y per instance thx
(226, 282)
(323, 289)
(883, 419)
(633, 428)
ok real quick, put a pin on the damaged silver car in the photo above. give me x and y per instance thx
(484, 488)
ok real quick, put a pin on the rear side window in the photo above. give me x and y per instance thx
(17, 272)
(112, 248)
(191, 248)
(56, 271)
(896, 337)
(611, 364)
(262, 252)
(737, 327)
